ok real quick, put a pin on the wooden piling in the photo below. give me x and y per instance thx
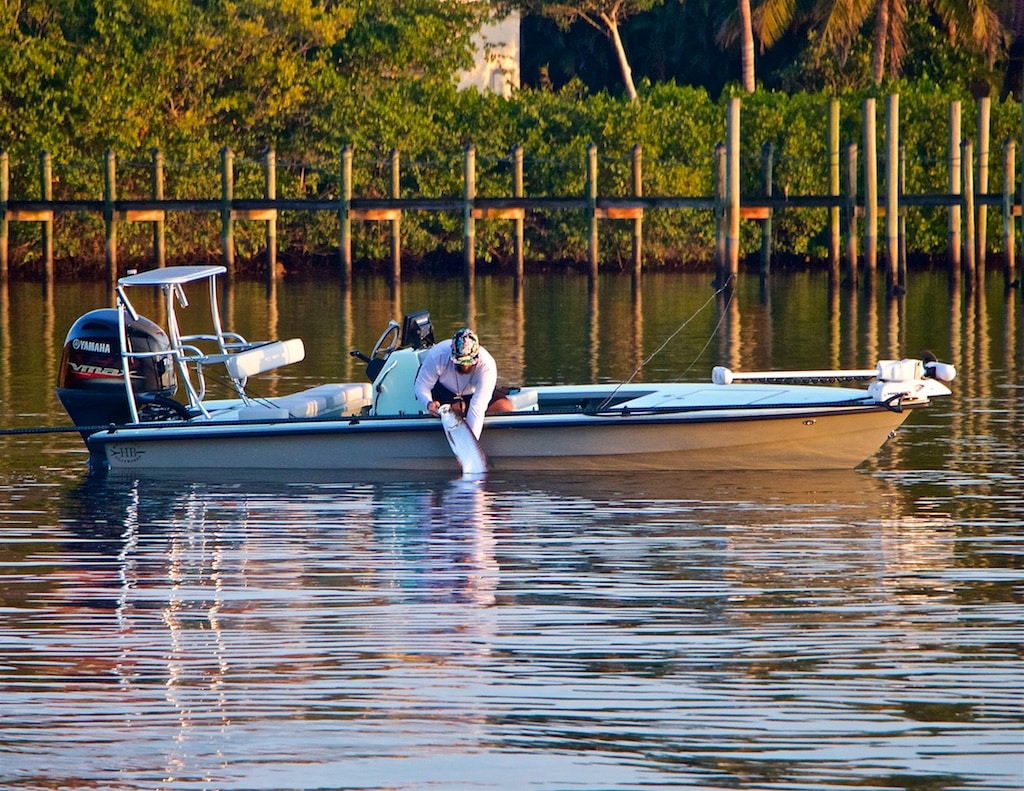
(5, 194)
(345, 217)
(954, 170)
(109, 215)
(902, 234)
(270, 192)
(592, 251)
(159, 225)
(227, 195)
(638, 221)
(870, 189)
(767, 174)
(892, 206)
(1009, 226)
(396, 220)
(469, 222)
(390, 212)
(851, 213)
(732, 190)
(967, 178)
(720, 259)
(46, 190)
(519, 220)
(833, 184)
(981, 182)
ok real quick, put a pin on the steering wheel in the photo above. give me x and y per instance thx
(390, 337)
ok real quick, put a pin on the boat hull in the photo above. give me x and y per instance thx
(752, 420)
(810, 439)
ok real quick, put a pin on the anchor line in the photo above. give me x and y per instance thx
(13, 432)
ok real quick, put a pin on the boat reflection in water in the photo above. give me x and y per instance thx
(218, 609)
(603, 630)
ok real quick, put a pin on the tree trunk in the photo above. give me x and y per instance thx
(627, 72)
(747, 51)
(881, 40)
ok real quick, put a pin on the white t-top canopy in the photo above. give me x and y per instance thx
(172, 275)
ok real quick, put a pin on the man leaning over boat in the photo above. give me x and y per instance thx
(462, 373)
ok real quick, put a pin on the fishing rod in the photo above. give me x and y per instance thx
(725, 287)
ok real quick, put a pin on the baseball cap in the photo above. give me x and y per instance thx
(465, 347)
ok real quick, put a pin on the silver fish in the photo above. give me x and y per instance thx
(463, 442)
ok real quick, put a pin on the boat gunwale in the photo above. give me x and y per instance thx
(308, 427)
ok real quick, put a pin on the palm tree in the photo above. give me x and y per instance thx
(1012, 16)
(769, 19)
(603, 15)
(747, 50)
(972, 23)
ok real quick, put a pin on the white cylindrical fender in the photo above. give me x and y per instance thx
(944, 372)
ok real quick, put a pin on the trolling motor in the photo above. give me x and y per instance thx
(90, 382)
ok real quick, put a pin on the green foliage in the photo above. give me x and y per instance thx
(306, 78)
(409, 39)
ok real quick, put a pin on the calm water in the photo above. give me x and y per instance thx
(783, 631)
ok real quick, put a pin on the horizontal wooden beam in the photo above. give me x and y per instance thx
(142, 215)
(254, 214)
(499, 214)
(619, 213)
(29, 215)
(375, 215)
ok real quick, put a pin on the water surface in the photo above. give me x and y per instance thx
(860, 629)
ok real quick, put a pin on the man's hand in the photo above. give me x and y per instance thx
(432, 407)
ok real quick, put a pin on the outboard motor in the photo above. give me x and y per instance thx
(90, 384)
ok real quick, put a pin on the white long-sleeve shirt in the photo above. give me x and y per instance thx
(437, 366)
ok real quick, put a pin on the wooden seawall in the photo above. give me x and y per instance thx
(855, 216)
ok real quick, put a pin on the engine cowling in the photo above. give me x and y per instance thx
(90, 382)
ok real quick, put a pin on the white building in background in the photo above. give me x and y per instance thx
(497, 58)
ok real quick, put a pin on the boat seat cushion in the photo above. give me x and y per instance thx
(297, 405)
(523, 400)
(265, 358)
(348, 398)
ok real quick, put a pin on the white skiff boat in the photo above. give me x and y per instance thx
(159, 416)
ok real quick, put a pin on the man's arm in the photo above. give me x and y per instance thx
(426, 378)
(486, 379)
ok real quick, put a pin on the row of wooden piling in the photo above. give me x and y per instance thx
(967, 198)
(966, 201)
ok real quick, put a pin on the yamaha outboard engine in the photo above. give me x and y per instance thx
(91, 383)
